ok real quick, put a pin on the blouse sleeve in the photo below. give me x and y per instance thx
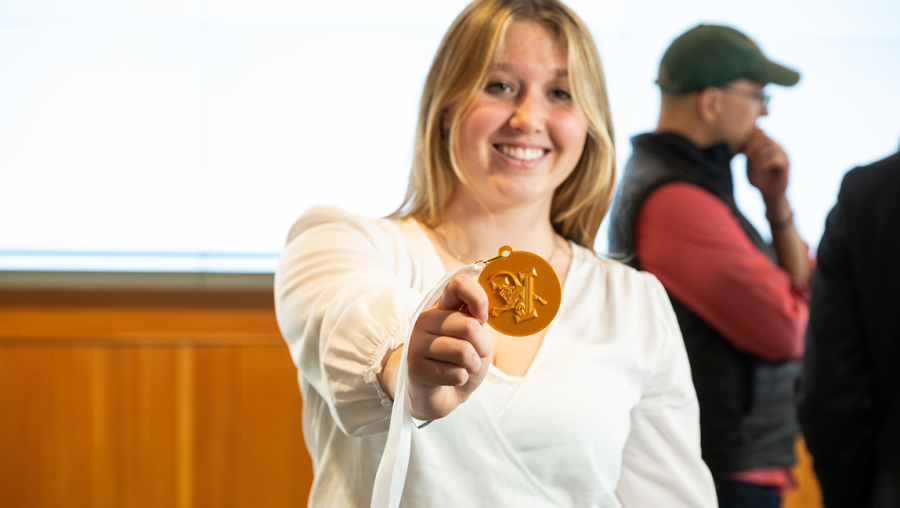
(341, 305)
(662, 465)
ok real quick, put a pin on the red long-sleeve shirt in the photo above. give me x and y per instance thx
(695, 246)
(692, 242)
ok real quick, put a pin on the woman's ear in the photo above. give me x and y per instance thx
(708, 104)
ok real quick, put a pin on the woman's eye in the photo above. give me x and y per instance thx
(499, 88)
(561, 95)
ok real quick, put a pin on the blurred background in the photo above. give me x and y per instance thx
(153, 156)
(188, 135)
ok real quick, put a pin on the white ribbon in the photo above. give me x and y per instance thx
(391, 475)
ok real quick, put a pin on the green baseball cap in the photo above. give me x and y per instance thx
(713, 55)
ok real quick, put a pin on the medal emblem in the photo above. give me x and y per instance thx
(523, 292)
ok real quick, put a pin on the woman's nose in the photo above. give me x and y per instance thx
(529, 114)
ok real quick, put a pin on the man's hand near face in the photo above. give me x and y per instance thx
(768, 169)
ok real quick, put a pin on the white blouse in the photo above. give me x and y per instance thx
(606, 416)
(497, 388)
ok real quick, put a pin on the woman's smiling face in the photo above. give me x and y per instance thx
(523, 135)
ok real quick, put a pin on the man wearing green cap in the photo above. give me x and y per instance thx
(741, 303)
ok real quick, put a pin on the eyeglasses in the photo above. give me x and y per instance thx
(759, 96)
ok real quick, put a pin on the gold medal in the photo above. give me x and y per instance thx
(523, 292)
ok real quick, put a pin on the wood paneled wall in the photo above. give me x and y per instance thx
(147, 400)
(159, 399)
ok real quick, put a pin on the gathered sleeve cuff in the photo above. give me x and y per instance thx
(341, 305)
(376, 365)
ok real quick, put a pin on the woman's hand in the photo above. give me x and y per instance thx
(449, 351)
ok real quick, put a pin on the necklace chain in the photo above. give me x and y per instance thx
(458, 256)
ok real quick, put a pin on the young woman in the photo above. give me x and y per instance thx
(513, 147)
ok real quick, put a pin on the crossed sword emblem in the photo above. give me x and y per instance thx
(519, 294)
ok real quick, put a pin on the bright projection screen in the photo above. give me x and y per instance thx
(189, 135)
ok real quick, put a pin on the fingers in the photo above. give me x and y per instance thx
(449, 349)
(454, 351)
(751, 140)
(766, 158)
(763, 153)
(446, 362)
(455, 325)
(757, 142)
(443, 373)
(446, 348)
(771, 160)
(767, 165)
(462, 292)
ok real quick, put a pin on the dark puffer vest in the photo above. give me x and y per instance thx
(747, 404)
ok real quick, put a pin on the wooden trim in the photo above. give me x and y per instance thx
(80, 298)
(126, 281)
(236, 340)
(52, 326)
(152, 318)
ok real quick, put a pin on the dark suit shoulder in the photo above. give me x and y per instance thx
(881, 178)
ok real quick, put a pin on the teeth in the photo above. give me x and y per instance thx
(522, 154)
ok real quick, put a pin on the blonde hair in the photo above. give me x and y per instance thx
(458, 74)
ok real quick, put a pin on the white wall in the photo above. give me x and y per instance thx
(188, 135)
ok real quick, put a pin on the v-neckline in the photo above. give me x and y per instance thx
(438, 263)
